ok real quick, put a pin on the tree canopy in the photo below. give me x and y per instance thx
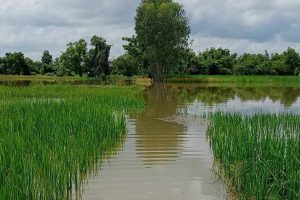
(162, 30)
(98, 57)
(73, 59)
(14, 63)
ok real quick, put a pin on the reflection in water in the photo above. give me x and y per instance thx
(165, 160)
(214, 95)
(248, 100)
(157, 141)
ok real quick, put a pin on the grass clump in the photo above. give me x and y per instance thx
(53, 137)
(258, 155)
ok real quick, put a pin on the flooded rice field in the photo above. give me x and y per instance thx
(166, 154)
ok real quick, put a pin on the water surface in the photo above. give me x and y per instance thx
(171, 159)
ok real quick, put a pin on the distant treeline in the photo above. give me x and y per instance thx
(218, 61)
(78, 60)
(223, 62)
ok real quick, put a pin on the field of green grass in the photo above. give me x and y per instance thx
(238, 80)
(53, 137)
(258, 155)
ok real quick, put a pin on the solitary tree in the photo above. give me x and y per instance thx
(162, 31)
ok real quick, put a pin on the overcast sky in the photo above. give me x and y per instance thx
(32, 26)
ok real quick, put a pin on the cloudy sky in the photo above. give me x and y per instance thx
(32, 26)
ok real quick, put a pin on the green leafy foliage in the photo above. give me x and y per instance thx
(125, 65)
(72, 60)
(14, 63)
(97, 59)
(162, 30)
(47, 58)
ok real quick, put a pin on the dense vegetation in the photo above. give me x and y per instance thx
(218, 61)
(53, 137)
(258, 155)
(77, 59)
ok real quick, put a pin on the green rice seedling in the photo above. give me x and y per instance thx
(53, 137)
(258, 155)
(237, 80)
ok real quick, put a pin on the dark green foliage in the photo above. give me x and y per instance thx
(2, 67)
(222, 62)
(33, 68)
(97, 59)
(47, 58)
(73, 59)
(162, 32)
(252, 64)
(292, 61)
(216, 61)
(14, 63)
(135, 50)
(78, 60)
(187, 63)
(124, 65)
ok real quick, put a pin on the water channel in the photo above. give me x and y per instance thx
(166, 154)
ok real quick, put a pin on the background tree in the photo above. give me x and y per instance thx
(46, 65)
(134, 49)
(2, 66)
(14, 63)
(162, 31)
(125, 65)
(292, 61)
(73, 59)
(34, 67)
(252, 64)
(47, 58)
(216, 61)
(98, 57)
(187, 63)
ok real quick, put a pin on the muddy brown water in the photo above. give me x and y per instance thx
(166, 155)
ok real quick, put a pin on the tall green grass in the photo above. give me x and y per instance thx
(53, 137)
(235, 80)
(258, 155)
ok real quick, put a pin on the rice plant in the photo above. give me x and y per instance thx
(258, 155)
(53, 137)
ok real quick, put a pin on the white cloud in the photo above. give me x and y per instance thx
(242, 45)
(32, 26)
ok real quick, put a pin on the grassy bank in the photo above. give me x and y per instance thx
(237, 80)
(259, 155)
(14, 80)
(53, 137)
(41, 77)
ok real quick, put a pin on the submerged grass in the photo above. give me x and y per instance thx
(52, 137)
(259, 155)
